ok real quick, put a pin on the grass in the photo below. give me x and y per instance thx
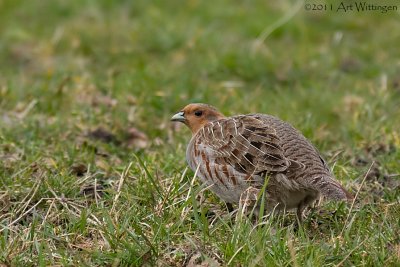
(93, 173)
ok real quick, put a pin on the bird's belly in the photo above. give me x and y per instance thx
(228, 192)
(294, 198)
(289, 193)
(224, 181)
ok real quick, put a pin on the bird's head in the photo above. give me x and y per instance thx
(195, 116)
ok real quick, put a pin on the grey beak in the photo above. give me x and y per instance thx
(180, 116)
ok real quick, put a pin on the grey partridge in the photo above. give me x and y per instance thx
(235, 156)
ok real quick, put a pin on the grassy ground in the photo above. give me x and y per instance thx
(93, 173)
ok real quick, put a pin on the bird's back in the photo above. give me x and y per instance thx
(316, 174)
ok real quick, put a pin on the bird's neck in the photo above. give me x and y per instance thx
(197, 127)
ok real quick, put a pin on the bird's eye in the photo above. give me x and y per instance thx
(198, 113)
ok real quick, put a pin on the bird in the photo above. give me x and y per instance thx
(243, 157)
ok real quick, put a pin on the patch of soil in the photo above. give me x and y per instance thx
(102, 135)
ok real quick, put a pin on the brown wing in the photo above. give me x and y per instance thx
(247, 144)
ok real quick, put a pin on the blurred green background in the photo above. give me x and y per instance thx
(86, 87)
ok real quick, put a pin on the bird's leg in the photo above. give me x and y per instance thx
(300, 209)
(304, 204)
(248, 199)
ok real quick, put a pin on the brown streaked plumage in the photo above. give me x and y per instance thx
(236, 155)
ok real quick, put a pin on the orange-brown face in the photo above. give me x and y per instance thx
(195, 116)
